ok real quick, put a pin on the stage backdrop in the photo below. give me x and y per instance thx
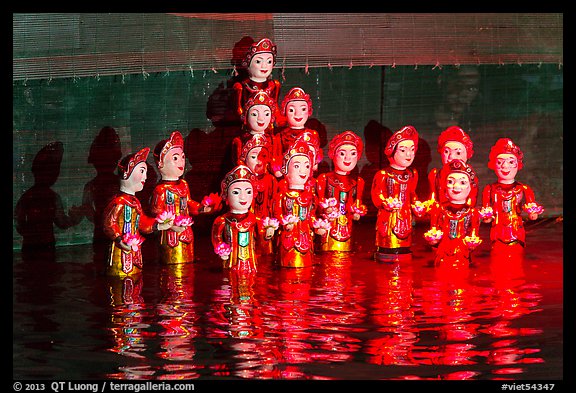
(88, 88)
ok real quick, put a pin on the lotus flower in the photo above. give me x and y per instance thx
(183, 221)
(321, 224)
(486, 212)
(223, 249)
(419, 207)
(328, 202)
(289, 219)
(165, 217)
(333, 215)
(270, 222)
(133, 240)
(362, 210)
(393, 203)
(472, 241)
(433, 235)
(212, 199)
(533, 208)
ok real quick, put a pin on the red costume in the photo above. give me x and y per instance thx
(451, 134)
(124, 216)
(296, 245)
(238, 143)
(394, 223)
(236, 231)
(173, 196)
(287, 136)
(265, 186)
(508, 200)
(248, 87)
(347, 191)
(457, 222)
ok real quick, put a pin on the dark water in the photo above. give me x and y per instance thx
(346, 318)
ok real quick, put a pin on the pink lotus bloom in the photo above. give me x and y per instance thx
(183, 221)
(419, 207)
(211, 199)
(328, 202)
(289, 219)
(472, 241)
(165, 217)
(533, 208)
(486, 212)
(433, 235)
(332, 216)
(362, 210)
(393, 203)
(321, 224)
(223, 249)
(270, 222)
(133, 240)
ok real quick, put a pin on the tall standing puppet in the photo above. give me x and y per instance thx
(234, 233)
(296, 108)
(453, 143)
(394, 195)
(259, 62)
(257, 119)
(171, 199)
(454, 222)
(340, 194)
(124, 219)
(504, 202)
(295, 208)
(256, 154)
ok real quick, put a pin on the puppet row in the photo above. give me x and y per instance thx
(298, 215)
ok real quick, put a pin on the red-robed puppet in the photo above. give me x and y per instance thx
(340, 194)
(124, 219)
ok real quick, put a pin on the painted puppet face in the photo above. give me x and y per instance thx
(259, 117)
(454, 150)
(261, 66)
(173, 164)
(135, 182)
(404, 154)
(298, 171)
(458, 187)
(506, 168)
(345, 158)
(240, 196)
(297, 113)
(257, 159)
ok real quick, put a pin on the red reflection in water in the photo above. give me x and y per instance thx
(126, 316)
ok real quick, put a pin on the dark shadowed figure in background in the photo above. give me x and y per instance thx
(105, 152)
(221, 108)
(40, 207)
(320, 128)
(375, 136)
(204, 176)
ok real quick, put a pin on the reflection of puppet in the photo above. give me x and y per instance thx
(294, 207)
(105, 152)
(340, 194)
(454, 224)
(171, 198)
(507, 198)
(297, 108)
(259, 61)
(394, 195)
(257, 118)
(453, 143)
(124, 218)
(234, 233)
(255, 155)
